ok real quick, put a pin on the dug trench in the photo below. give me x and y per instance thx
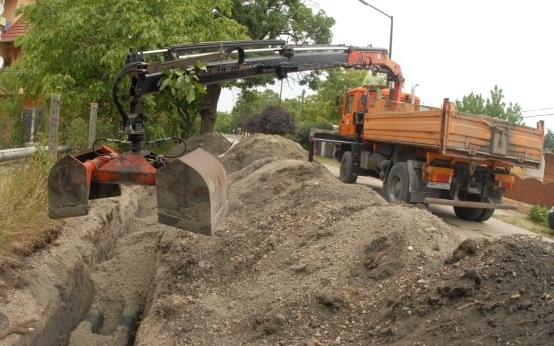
(90, 287)
(301, 259)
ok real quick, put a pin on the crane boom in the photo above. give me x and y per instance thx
(233, 60)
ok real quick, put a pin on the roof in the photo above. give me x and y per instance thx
(18, 28)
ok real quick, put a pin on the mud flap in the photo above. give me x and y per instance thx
(192, 193)
(70, 187)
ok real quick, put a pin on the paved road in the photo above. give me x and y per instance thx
(466, 229)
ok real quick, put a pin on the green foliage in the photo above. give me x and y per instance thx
(74, 133)
(251, 103)
(493, 107)
(183, 89)
(273, 19)
(10, 111)
(272, 120)
(270, 19)
(225, 123)
(549, 140)
(183, 83)
(538, 215)
(321, 107)
(302, 133)
(75, 48)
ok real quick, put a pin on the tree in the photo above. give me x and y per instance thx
(321, 107)
(225, 123)
(75, 47)
(549, 141)
(493, 107)
(270, 19)
(272, 120)
(251, 103)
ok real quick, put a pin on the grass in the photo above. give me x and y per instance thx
(524, 222)
(25, 225)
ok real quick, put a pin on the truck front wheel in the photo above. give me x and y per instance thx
(397, 185)
(347, 169)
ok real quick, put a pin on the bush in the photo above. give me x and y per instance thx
(302, 133)
(273, 120)
(538, 215)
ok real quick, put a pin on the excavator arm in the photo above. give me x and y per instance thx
(191, 188)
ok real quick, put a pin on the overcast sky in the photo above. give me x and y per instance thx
(452, 48)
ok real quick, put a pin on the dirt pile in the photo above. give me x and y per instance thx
(301, 259)
(305, 260)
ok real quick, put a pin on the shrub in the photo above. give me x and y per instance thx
(302, 133)
(273, 120)
(538, 215)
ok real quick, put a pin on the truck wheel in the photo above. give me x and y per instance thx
(397, 185)
(496, 196)
(469, 214)
(485, 215)
(347, 169)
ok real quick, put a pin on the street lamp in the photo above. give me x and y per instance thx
(391, 24)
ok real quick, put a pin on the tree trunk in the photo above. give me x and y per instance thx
(208, 108)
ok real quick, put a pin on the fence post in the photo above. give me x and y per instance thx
(92, 124)
(54, 123)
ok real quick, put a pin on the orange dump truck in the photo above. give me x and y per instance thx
(431, 155)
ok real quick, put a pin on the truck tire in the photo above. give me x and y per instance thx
(469, 214)
(496, 197)
(397, 185)
(485, 215)
(346, 174)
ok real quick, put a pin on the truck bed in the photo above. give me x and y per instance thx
(455, 134)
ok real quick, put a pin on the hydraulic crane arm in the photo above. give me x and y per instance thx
(232, 60)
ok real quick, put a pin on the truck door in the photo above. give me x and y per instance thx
(351, 107)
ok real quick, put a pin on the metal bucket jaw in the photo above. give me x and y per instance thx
(192, 193)
(70, 186)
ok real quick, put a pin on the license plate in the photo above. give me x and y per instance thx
(435, 185)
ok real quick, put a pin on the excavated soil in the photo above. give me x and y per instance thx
(302, 259)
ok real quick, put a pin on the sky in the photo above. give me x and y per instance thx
(452, 48)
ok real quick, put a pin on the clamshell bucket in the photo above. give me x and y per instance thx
(191, 189)
(70, 184)
(192, 193)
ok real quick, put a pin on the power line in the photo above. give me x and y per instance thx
(538, 115)
(534, 110)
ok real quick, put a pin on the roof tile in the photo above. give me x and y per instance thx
(18, 28)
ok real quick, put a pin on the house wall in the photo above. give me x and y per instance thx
(549, 168)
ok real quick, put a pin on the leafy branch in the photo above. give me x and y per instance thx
(183, 83)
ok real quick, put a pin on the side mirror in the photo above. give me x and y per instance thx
(337, 104)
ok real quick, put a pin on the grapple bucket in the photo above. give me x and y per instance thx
(70, 186)
(192, 192)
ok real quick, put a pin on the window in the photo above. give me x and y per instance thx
(349, 103)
